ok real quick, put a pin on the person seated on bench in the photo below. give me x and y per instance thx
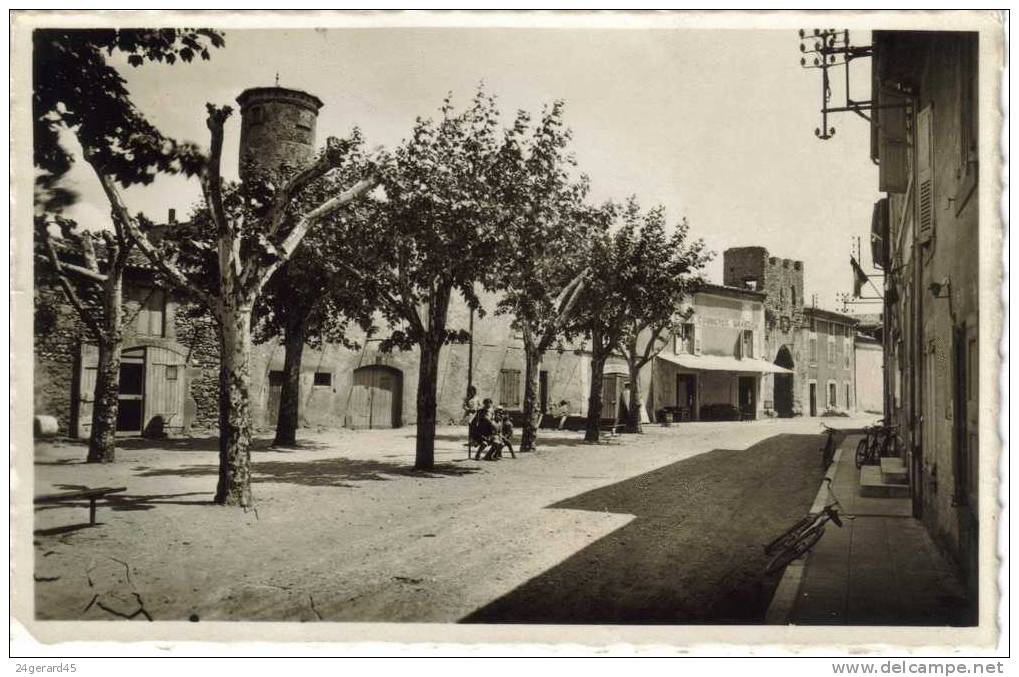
(562, 412)
(504, 433)
(484, 430)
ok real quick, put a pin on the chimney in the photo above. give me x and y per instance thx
(171, 216)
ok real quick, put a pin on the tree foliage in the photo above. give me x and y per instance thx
(75, 87)
(434, 232)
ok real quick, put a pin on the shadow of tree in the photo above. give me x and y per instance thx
(543, 442)
(325, 472)
(693, 552)
(207, 443)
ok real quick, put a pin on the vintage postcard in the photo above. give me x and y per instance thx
(654, 329)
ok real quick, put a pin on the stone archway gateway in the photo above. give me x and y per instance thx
(784, 384)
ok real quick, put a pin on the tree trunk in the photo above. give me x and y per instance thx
(633, 423)
(532, 414)
(102, 440)
(290, 394)
(593, 430)
(234, 486)
(428, 383)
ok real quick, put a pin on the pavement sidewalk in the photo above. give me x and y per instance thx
(882, 568)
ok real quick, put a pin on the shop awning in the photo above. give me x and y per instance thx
(721, 363)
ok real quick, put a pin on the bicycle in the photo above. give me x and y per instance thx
(872, 448)
(828, 450)
(798, 540)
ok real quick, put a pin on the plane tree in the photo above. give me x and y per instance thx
(312, 299)
(254, 230)
(77, 90)
(433, 233)
(662, 270)
(542, 266)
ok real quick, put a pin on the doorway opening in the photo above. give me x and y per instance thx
(784, 386)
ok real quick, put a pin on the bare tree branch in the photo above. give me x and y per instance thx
(143, 242)
(565, 303)
(211, 179)
(69, 292)
(88, 250)
(289, 244)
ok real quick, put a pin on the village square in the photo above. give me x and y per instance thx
(320, 361)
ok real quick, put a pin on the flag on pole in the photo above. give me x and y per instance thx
(859, 277)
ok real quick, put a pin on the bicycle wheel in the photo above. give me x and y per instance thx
(801, 547)
(791, 535)
(861, 452)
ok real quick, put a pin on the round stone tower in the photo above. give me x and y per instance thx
(277, 128)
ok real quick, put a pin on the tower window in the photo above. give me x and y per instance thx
(323, 378)
(792, 295)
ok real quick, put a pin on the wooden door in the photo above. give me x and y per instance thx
(813, 399)
(382, 392)
(376, 398)
(610, 387)
(164, 390)
(88, 370)
(274, 394)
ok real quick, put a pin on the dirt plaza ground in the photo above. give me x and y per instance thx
(665, 527)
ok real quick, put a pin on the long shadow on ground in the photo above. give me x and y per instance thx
(541, 443)
(205, 443)
(325, 472)
(693, 553)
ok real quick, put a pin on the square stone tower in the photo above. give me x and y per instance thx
(782, 281)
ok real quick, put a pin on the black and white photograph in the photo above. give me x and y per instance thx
(511, 327)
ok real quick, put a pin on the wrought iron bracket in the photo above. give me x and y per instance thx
(834, 52)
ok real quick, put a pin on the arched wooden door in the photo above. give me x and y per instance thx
(376, 399)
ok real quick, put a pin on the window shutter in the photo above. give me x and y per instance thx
(893, 174)
(696, 340)
(924, 174)
(879, 234)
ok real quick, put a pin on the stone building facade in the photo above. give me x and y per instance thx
(925, 141)
(170, 354)
(781, 280)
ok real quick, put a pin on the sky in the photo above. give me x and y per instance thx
(717, 126)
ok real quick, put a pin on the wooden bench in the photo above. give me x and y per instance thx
(92, 495)
(610, 430)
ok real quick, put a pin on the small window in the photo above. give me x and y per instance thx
(746, 340)
(171, 372)
(509, 388)
(684, 339)
(750, 283)
(323, 378)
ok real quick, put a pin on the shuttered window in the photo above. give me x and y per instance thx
(893, 150)
(509, 388)
(813, 350)
(925, 174)
(151, 319)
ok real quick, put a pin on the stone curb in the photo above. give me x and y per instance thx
(788, 589)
